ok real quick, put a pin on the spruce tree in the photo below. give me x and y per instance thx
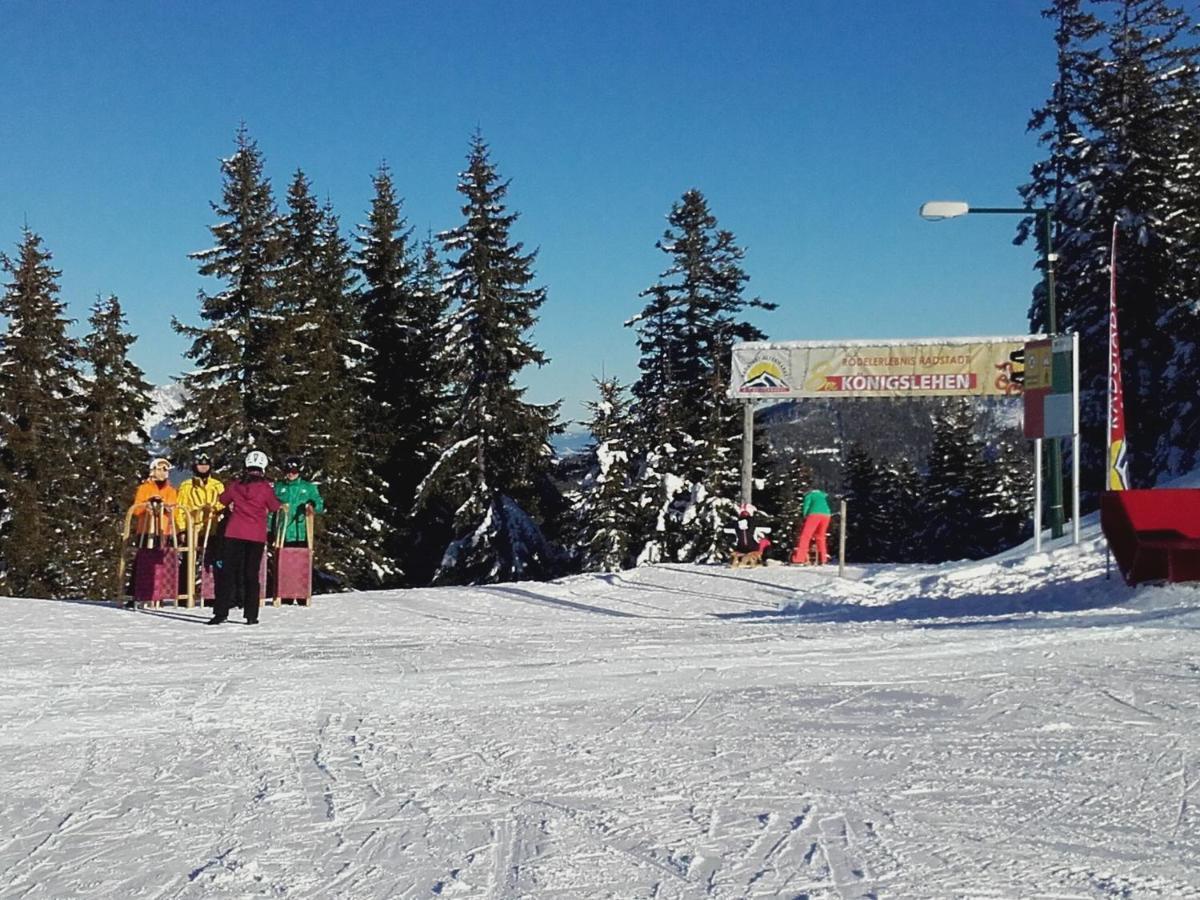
(494, 466)
(604, 507)
(318, 406)
(231, 390)
(862, 485)
(115, 400)
(39, 417)
(688, 430)
(1007, 511)
(356, 506)
(404, 311)
(955, 486)
(427, 526)
(292, 397)
(899, 523)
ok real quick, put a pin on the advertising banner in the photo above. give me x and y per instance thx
(1118, 450)
(934, 367)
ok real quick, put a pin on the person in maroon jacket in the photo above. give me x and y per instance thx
(249, 500)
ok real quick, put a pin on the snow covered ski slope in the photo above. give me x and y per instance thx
(1019, 727)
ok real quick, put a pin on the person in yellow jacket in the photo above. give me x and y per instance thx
(155, 488)
(198, 495)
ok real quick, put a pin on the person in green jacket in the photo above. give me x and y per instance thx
(816, 525)
(299, 495)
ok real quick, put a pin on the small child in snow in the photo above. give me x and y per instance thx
(746, 537)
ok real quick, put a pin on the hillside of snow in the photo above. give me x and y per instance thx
(1017, 727)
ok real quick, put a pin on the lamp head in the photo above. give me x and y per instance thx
(936, 210)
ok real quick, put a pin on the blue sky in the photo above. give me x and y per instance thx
(815, 128)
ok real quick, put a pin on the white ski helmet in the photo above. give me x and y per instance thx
(256, 459)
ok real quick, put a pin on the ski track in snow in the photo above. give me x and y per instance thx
(1017, 727)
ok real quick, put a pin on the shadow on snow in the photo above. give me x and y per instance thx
(991, 610)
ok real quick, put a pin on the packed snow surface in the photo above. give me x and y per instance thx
(1019, 727)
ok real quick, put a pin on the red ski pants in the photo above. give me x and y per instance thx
(816, 525)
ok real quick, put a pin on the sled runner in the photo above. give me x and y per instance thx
(207, 527)
(292, 571)
(155, 565)
(813, 558)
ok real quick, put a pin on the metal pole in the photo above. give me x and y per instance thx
(1055, 456)
(842, 540)
(1075, 438)
(747, 450)
(1037, 495)
(1054, 447)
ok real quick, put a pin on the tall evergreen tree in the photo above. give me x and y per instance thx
(688, 430)
(494, 465)
(604, 508)
(115, 400)
(404, 312)
(292, 398)
(320, 391)
(385, 260)
(232, 389)
(39, 415)
(357, 516)
(427, 526)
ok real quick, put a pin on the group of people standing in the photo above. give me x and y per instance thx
(242, 511)
(815, 529)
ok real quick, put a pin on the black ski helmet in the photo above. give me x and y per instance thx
(293, 464)
(201, 459)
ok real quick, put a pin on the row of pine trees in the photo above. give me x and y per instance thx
(392, 368)
(1121, 136)
(392, 365)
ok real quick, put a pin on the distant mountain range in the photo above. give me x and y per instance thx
(165, 400)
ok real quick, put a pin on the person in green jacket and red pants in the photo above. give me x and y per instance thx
(816, 525)
(298, 494)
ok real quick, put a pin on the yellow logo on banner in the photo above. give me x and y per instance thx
(1118, 467)
(1038, 365)
(765, 375)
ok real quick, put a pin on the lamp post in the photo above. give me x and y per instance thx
(937, 210)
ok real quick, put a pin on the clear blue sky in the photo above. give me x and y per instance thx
(815, 128)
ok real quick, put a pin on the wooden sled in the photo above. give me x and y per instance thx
(155, 559)
(740, 558)
(749, 558)
(291, 574)
(206, 527)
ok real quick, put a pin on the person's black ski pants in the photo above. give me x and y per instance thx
(238, 584)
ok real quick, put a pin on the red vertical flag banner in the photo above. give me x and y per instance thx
(1117, 478)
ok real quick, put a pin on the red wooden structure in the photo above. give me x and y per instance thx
(1154, 534)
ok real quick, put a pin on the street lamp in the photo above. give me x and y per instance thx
(936, 210)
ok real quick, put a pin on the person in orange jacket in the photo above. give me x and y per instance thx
(155, 488)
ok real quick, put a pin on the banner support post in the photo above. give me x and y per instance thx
(747, 450)
(1037, 495)
(1075, 438)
